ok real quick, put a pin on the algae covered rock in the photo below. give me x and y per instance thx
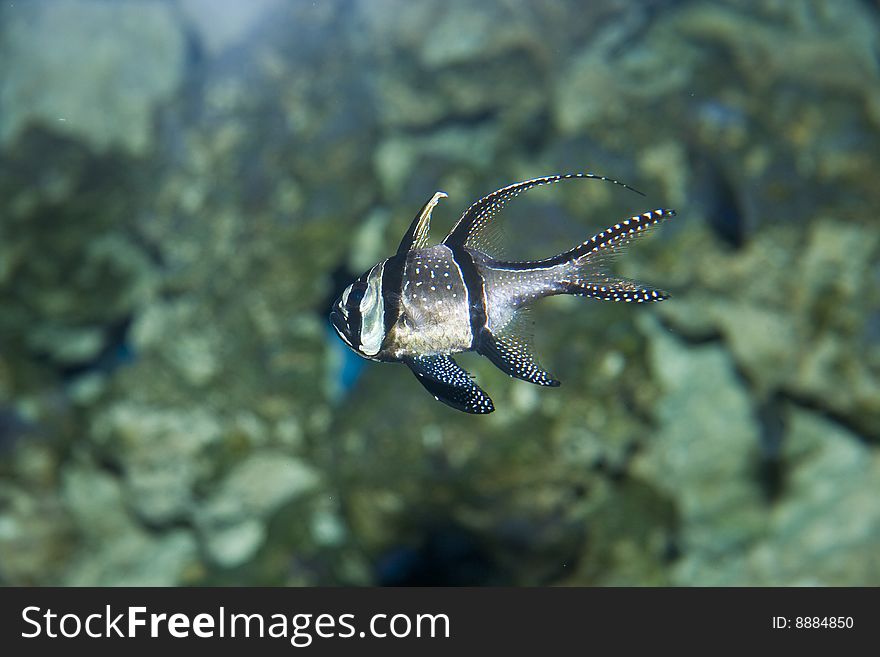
(230, 523)
(89, 69)
(827, 508)
(802, 326)
(184, 186)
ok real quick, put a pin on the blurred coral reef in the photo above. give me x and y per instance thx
(184, 185)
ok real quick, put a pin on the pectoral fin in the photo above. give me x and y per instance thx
(450, 384)
(513, 357)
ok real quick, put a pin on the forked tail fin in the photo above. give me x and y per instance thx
(587, 274)
(612, 289)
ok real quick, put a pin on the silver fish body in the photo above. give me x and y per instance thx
(426, 303)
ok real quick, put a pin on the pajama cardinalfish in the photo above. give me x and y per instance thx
(426, 303)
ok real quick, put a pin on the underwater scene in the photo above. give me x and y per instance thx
(188, 186)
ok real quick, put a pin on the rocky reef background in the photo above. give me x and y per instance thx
(185, 185)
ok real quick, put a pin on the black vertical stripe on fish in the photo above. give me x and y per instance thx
(475, 285)
(355, 321)
(392, 288)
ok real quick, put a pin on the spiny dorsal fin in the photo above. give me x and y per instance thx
(611, 288)
(417, 235)
(450, 384)
(477, 217)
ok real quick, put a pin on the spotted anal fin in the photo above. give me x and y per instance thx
(472, 224)
(417, 235)
(513, 357)
(450, 384)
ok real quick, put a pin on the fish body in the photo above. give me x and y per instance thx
(424, 304)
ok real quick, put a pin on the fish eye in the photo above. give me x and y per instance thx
(356, 296)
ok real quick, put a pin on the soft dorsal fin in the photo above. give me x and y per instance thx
(417, 235)
(477, 217)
